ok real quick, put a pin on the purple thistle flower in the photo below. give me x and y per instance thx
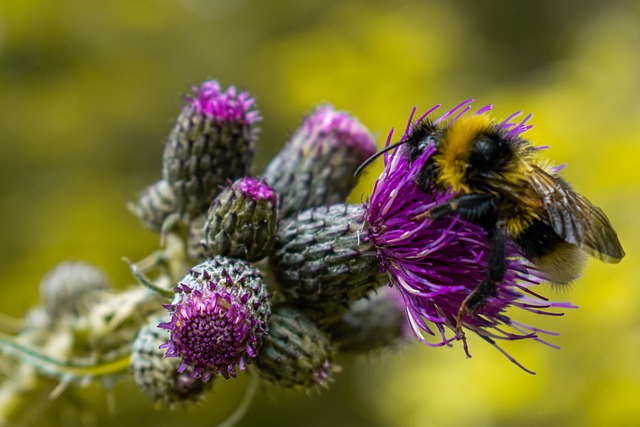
(256, 190)
(218, 317)
(436, 264)
(228, 106)
(326, 121)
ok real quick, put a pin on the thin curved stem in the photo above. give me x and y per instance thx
(244, 405)
(140, 277)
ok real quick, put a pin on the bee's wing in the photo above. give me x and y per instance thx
(574, 218)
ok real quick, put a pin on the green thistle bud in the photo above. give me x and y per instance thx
(70, 288)
(158, 376)
(373, 322)
(241, 222)
(155, 203)
(324, 261)
(211, 143)
(315, 168)
(296, 353)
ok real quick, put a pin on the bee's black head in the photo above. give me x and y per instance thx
(423, 134)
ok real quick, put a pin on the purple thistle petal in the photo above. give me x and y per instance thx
(228, 106)
(453, 110)
(255, 189)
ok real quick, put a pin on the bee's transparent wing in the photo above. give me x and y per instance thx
(574, 218)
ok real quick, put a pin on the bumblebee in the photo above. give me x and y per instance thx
(501, 183)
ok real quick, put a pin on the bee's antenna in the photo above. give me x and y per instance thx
(376, 155)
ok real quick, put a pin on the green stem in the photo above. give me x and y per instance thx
(60, 368)
(243, 407)
(146, 282)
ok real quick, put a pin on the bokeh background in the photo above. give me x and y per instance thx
(88, 92)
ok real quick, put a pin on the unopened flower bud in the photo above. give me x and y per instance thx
(69, 288)
(296, 353)
(241, 222)
(219, 316)
(373, 322)
(211, 143)
(155, 203)
(324, 261)
(315, 168)
(158, 376)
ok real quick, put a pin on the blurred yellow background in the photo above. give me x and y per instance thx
(88, 92)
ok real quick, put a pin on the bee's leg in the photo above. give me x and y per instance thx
(479, 209)
(496, 239)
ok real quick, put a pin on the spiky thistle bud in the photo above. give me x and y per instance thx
(315, 168)
(154, 204)
(70, 288)
(373, 322)
(324, 261)
(211, 143)
(219, 316)
(158, 376)
(241, 222)
(296, 353)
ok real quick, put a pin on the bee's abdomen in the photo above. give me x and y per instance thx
(537, 239)
(561, 262)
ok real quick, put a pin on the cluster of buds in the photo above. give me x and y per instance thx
(277, 259)
(276, 272)
(326, 263)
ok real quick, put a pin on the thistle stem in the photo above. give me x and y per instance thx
(244, 405)
(140, 277)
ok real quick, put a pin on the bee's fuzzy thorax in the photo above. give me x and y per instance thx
(452, 156)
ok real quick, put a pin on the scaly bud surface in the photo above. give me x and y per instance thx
(212, 142)
(323, 259)
(241, 222)
(296, 354)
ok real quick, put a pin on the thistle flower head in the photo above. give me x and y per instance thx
(241, 222)
(296, 354)
(69, 288)
(331, 127)
(436, 264)
(315, 168)
(218, 317)
(323, 260)
(154, 204)
(212, 142)
(373, 322)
